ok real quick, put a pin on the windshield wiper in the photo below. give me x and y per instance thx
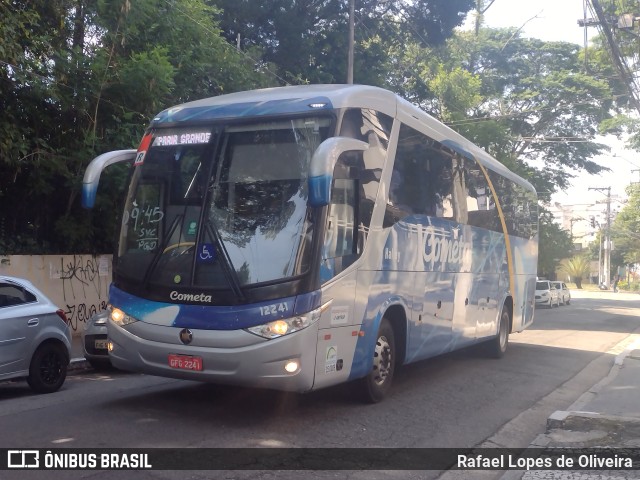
(227, 265)
(160, 251)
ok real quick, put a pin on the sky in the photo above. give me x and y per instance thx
(554, 20)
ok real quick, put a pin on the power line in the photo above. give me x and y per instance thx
(530, 110)
(617, 58)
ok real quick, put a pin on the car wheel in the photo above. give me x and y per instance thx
(377, 383)
(568, 301)
(497, 346)
(48, 368)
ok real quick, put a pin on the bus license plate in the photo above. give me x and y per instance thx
(185, 362)
(101, 344)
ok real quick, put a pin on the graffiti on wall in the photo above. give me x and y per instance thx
(85, 281)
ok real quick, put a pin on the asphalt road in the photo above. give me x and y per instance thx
(458, 400)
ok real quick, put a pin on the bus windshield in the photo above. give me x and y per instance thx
(221, 208)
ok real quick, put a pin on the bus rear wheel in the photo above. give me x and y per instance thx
(497, 346)
(375, 386)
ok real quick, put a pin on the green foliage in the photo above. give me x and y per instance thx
(456, 90)
(306, 41)
(625, 230)
(629, 286)
(81, 77)
(577, 268)
(528, 102)
(554, 245)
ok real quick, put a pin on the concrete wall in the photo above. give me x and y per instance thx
(79, 284)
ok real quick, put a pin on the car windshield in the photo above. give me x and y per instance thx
(225, 219)
(542, 286)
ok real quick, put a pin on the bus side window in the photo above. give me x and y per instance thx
(421, 181)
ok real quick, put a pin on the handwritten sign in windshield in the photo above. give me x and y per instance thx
(144, 218)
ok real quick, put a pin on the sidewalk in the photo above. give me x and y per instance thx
(606, 416)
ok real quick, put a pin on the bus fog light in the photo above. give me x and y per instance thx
(291, 366)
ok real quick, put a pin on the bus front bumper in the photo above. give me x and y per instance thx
(234, 357)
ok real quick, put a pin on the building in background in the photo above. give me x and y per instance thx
(583, 221)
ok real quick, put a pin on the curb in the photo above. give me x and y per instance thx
(559, 418)
(78, 365)
(575, 416)
(569, 420)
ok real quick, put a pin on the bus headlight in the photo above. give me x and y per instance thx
(285, 326)
(120, 318)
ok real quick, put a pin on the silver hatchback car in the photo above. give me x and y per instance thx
(35, 336)
(94, 341)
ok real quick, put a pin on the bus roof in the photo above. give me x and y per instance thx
(314, 98)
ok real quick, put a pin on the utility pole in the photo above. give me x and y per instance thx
(607, 237)
(600, 280)
(624, 73)
(351, 41)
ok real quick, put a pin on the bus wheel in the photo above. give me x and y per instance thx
(377, 383)
(497, 346)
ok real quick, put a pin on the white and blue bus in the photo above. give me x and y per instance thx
(299, 237)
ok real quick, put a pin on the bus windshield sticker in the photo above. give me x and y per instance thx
(331, 359)
(142, 149)
(206, 253)
(339, 315)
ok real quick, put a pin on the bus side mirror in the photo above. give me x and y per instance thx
(92, 173)
(322, 164)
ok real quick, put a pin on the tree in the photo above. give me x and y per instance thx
(81, 77)
(306, 40)
(554, 244)
(526, 101)
(577, 268)
(625, 230)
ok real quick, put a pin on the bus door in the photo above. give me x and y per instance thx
(338, 327)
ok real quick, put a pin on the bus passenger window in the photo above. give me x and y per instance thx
(421, 181)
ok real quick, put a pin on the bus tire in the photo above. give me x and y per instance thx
(497, 346)
(375, 386)
(48, 368)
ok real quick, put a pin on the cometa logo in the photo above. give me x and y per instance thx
(440, 247)
(190, 297)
